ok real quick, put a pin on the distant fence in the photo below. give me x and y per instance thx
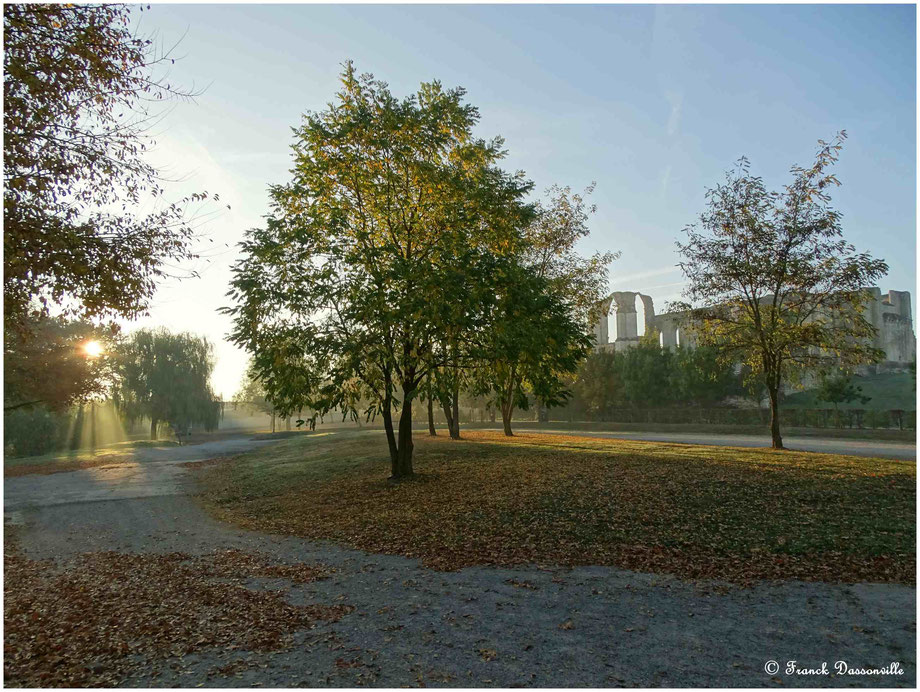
(792, 417)
(241, 417)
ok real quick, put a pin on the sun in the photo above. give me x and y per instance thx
(93, 349)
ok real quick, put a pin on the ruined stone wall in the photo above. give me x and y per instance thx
(895, 328)
(890, 314)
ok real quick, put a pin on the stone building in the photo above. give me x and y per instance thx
(627, 315)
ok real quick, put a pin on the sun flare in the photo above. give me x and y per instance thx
(93, 349)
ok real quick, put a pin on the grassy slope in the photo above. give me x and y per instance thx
(695, 511)
(890, 390)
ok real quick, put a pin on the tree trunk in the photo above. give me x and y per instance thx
(451, 407)
(507, 404)
(455, 411)
(273, 421)
(507, 410)
(774, 417)
(431, 430)
(388, 427)
(153, 428)
(402, 464)
(445, 408)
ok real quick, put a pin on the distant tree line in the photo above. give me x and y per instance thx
(647, 375)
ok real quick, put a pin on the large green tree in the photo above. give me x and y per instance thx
(345, 293)
(772, 282)
(165, 377)
(79, 95)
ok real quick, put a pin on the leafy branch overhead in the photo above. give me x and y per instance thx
(79, 98)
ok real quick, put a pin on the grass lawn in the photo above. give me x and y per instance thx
(788, 431)
(694, 511)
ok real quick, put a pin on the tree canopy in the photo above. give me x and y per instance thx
(647, 375)
(546, 310)
(374, 251)
(771, 280)
(78, 96)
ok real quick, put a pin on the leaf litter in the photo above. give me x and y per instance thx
(105, 615)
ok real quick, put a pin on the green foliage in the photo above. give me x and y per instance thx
(546, 309)
(644, 373)
(839, 389)
(32, 431)
(700, 376)
(78, 88)
(531, 341)
(598, 385)
(648, 376)
(165, 377)
(376, 256)
(772, 282)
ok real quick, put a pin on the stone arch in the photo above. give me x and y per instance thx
(618, 321)
(647, 324)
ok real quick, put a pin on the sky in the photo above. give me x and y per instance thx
(653, 103)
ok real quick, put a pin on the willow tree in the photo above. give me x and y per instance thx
(344, 293)
(771, 281)
(166, 377)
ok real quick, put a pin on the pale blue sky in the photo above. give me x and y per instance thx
(652, 102)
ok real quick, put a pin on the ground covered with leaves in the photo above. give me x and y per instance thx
(92, 622)
(737, 514)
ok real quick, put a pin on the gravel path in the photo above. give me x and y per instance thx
(590, 626)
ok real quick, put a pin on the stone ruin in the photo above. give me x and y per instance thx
(890, 314)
